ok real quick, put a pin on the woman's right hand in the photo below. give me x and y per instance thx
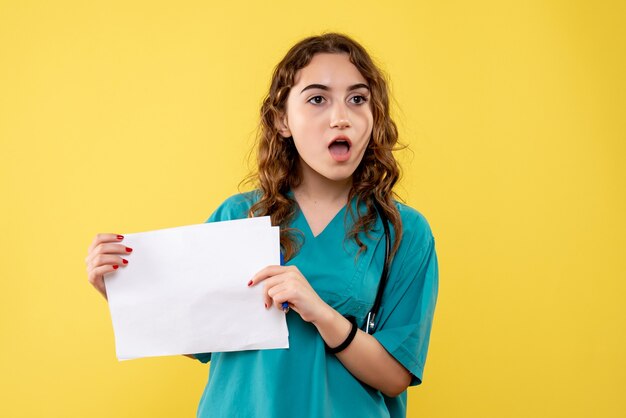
(104, 256)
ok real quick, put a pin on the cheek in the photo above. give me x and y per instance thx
(303, 141)
(367, 123)
(366, 118)
(296, 117)
(307, 125)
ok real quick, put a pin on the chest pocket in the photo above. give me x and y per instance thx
(345, 281)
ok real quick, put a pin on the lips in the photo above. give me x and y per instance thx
(339, 148)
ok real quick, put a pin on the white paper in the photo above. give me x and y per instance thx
(184, 291)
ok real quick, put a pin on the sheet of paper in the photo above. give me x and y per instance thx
(184, 291)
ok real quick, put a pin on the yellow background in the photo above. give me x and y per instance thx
(130, 116)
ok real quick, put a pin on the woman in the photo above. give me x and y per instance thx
(325, 175)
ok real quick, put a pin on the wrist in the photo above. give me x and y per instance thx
(333, 327)
(326, 317)
(353, 330)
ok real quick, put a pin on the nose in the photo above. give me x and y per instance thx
(339, 117)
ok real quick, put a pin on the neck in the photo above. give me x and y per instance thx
(317, 188)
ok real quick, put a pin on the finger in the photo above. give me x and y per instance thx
(269, 291)
(273, 291)
(282, 299)
(265, 273)
(96, 277)
(101, 238)
(274, 285)
(107, 248)
(270, 284)
(102, 259)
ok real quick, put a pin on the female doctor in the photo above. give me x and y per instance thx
(325, 174)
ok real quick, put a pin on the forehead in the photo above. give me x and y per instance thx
(330, 70)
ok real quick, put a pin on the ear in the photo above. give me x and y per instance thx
(283, 126)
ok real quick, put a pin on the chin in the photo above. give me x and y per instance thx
(333, 171)
(342, 175)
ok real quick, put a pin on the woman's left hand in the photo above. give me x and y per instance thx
(287, 284)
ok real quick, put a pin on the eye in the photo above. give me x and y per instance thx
(316, 100)
(359, 99)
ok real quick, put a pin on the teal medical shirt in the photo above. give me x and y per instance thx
(304, 381)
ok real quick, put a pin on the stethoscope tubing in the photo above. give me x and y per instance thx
(370, 321)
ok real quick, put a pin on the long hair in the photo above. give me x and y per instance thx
(277, 158)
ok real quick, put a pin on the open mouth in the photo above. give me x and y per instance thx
(340, 147)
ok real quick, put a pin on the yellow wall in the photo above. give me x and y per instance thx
(129, 117)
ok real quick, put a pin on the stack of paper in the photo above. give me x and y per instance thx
(184, 291)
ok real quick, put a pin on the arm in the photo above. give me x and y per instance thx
(365, 357)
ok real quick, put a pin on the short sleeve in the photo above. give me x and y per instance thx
(203, 357)
(408, 305)
(235, 207)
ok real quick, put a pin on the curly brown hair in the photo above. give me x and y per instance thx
(277, 158)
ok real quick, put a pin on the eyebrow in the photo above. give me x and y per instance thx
(323, 87)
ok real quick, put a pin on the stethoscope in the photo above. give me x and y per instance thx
(370, 322)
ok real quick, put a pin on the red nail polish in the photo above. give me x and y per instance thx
(120, 237)
(265, 305)
(250, 283)
(129, 250)
(115, 267)
(124, 261)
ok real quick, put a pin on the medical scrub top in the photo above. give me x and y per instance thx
(304, 380)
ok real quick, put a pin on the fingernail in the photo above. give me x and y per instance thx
(250, 283)
(265, 305)
(124, 261)
(120, 237)
(115, 267)
(129, 250)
